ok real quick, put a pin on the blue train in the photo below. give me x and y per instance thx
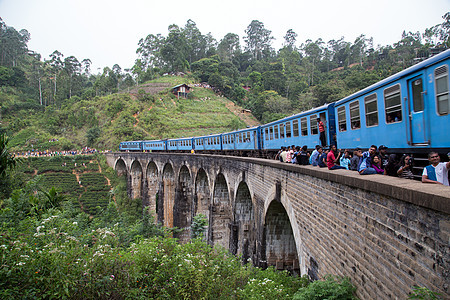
(408, 112)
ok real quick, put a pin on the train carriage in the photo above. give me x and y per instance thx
(180, 144)
(208, 142)
(244, 139)
(154, 145)
(408, 111)
(300, 129)
(131, 146)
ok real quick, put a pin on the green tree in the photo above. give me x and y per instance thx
(258, 40)
(13, 45)
(289, 39)
(7, 160)
(175, 50)
(149, 52)
(92, 135)
(229, 47)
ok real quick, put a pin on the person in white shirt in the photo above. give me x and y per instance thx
(437, 172)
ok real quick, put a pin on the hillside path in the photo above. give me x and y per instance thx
(246, 117)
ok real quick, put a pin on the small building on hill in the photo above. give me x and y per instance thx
(181, 90)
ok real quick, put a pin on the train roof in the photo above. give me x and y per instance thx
(428, 62)
(242, 129)
(153, 141)
(131, 142)
(313, 110)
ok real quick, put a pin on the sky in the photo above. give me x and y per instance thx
(108, 31)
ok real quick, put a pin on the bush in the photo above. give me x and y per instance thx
(331, 287)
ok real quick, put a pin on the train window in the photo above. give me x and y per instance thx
(266, 133)
(313, 124)
(271, 133)
(393, 104)
(304, 126)
(288, 129)
(276, 131)
(295, 127)
(442, 90)
(370, 104)
(417, 89)
(355, 119)
(342, 118)
(282, 130)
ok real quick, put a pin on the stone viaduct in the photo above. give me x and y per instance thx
(387, 234)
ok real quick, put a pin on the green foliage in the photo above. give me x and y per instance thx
(330, 288)
(423, 293)
(198, 226)
(49, 248)
(92, 134)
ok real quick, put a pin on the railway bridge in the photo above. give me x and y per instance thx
(387, 234)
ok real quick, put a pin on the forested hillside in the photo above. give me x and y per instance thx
(58, 98)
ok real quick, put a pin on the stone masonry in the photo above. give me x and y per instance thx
(387, 234)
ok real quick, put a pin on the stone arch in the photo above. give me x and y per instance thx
(121, 167)
(152, 188)
(136, 180)
(183, 207)
(243, 233)
(279, 247)
(166, 205)
(202, 194)
(221, 213)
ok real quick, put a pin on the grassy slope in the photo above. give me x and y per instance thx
(136, 114)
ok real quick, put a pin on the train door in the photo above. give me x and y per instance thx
(416, 101)
(323, 118)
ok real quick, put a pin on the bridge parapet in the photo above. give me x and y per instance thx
(387, 234)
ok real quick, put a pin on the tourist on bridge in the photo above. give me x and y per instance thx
(437, 172)
(322, 132)
(314, 158)
(332, 158)
(365, 162)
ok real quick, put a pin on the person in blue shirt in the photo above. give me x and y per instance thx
(323, 159)
(365, 162)
(314, 159)
(345, 159)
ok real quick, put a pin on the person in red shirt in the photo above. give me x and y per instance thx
(322, 132)
(332, 158)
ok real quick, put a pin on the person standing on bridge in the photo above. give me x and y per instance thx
(322, 132)
(437, 172)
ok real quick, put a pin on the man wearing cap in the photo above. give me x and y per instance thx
(437, 172)
(383, 156)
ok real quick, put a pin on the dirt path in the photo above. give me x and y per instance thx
(246, 117)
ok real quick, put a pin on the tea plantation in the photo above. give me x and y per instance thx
(78, 178)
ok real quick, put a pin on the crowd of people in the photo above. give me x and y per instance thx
(46, 153)
(373, 161)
